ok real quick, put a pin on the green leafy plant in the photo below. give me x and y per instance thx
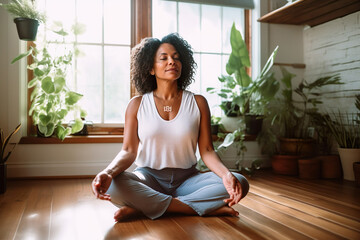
(3, 144)
(289, 116)
(239, 91)
(345, 127)
(24, 9)
(51, 98)
(238, 88)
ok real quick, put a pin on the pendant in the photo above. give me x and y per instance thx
(167, 108)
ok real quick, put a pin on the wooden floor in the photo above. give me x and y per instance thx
(277, 207)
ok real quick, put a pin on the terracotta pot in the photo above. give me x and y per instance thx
(330, 166)
(309, 168)
(356, 166)
(297, 146)
(285, 164)
(348, 156)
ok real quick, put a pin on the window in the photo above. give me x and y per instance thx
(101, 73)
(207, 29)
(102, 70)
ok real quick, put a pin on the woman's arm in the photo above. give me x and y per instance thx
(210, 157)
(125, 157)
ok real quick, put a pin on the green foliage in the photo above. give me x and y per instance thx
(238, 90)
(345, 127)
(51, 98)
(3, 144)
(290, 118)
(24, 9)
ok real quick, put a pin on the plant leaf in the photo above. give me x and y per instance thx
(77, 126)
(47, 85)
(72, 98)
(59, 83)
(229, 139)
(22, 56)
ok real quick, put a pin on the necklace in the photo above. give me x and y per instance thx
(168, 107)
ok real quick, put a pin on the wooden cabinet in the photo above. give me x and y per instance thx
(311, 12)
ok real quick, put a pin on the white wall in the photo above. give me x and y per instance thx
(334, 48)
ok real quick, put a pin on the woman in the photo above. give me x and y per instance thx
(162, 129)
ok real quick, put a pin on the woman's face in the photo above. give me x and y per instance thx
(167, 65)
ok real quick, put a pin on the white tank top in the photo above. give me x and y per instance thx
(168, 144)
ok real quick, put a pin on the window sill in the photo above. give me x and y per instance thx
(93, 139)
(73, 139)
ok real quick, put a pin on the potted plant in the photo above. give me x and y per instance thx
(345, 128)
(290, 120)
(51, 98)
(330, 163)
(27, 17)
(4, 156)
(238, 89)
(215, 124)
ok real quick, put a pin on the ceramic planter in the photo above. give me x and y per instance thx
(231, 123)
(297, 146)
(330, 166)
(253, 124)
(348, 156)
(285, 164)
(309, 168)
(26, 28)
(214, 129)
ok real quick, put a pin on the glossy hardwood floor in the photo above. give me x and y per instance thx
(277, 207)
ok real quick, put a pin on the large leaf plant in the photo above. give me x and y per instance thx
(51, 98)
(239, 91)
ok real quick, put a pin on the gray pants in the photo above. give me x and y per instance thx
(151, 191)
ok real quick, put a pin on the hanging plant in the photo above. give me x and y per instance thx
(27, 17)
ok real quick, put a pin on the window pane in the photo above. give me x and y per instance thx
(89, 75)
(91, 18)
(211, 29)
(231, 15)
(210, 71)
(195, 87)
(189, 15)
(117, 83)
(164, 18)
(55, 12)
(117, 21)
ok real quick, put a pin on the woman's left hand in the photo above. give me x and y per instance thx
(233, 187)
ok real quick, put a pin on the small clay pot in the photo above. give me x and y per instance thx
(309, 168)
(285, 164)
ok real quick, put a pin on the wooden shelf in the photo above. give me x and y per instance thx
(311, 12)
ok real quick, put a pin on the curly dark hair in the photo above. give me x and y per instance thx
(142, 61)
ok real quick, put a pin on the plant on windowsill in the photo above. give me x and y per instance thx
(4, 156)
(51, 98)
(27, 17)
(290, 121)
(345, 127)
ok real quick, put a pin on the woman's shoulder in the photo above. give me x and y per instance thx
(134, 104)
(201, 102)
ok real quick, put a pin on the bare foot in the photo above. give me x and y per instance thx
(125, 213)
(225, 210)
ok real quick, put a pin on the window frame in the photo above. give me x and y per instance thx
(141, 27)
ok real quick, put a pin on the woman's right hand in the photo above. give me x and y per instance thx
(100, 185)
